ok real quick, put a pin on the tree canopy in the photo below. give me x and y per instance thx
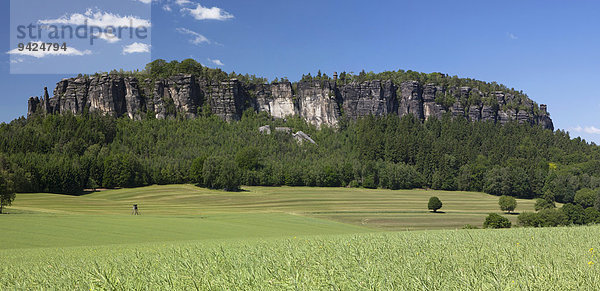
(67, 153)
(507, 203)
(434, 204)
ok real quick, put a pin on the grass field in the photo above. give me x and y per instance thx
(283, 238)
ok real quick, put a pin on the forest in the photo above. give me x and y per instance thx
(68, 153)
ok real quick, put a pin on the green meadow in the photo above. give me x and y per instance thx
(190, 238)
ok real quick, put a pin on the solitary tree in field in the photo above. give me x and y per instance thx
(507, 203)
(434, 204)
(7, 195)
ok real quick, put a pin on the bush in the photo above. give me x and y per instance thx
(507, 203)
(585, 197)
(434, 204)
(552, 217)
(369, 182)
(591, 215)
(529, 219)
(494, 220)
(574, 213)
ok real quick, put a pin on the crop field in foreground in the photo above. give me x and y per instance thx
(514, 259)
(283, 238)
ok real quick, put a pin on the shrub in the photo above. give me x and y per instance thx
(434, 204)
(591, 215)
(585, 197)
(354, 184)
(494, 220)
(507, 203)
(552, 217)
(369, 182)
(529, 219)
(574, 213)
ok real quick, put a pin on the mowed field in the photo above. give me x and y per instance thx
(372, 208)
(186, 212)
(263, 238)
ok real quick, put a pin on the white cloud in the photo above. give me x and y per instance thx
(99, 19)
(183, 2)
(167, 8)
(16, 61)
(511, 36)
(40, 54)
(591, 130)
(197, 38)
(587, 129)
(145, 1)
(216, 62)
(107, 36)
(205, 13)
(136, 47)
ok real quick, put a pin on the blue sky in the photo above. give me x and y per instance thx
(548, 49)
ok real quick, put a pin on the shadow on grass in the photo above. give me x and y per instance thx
(440, 212)
(12, 211)
(224, 190)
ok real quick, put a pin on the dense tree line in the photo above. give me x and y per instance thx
(66, 154)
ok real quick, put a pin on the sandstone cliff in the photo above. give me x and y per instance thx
(318, 102)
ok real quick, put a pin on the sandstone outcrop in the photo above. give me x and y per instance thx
(368, 98)
(320, 102)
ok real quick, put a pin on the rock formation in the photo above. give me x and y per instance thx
(368, 98)
(318, 102)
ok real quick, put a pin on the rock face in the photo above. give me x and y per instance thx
(368, 98)
(488, 113)
(317, 102)
(322, 103)
(104, 94)
(430, 108)
(277, 99)
(411, 99)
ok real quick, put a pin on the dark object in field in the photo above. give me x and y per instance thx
(434, 204)
(135, 210)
